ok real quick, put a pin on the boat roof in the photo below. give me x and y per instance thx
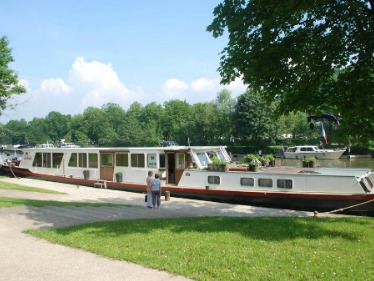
(158, 148)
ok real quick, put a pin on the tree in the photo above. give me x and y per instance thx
(17, 131)
(79, 130)
(224, 106)
(57, 126)
(312, 56)
(115, 116)
(203, 125)
(131, 132)
(97, 127)
(176, 121)
(151, 117)
(9, 84)
(37, 133)
(253, 121)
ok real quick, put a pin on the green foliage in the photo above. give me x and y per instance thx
(251, 159)
(9, 84)
(217, 161)
(247, 123)
(311, 56)
(57, 125)
(178, 115)
(253, 121)
(309, 159)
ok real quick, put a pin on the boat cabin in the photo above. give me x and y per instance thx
(133, 163)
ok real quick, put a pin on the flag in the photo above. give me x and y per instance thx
(324, 134)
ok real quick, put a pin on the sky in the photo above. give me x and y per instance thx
(73, 54)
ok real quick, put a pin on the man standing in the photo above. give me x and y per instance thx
(148, 189)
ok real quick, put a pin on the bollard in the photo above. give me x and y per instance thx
(167, 195)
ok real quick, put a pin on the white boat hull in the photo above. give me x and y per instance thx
(330, 155)
(300, 152)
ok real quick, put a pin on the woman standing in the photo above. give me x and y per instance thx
(156, 191)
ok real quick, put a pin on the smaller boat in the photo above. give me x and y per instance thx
(299, 152)
(69, 145)
(44, 145)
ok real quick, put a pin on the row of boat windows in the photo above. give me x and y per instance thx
(91, 160)
(261, 182)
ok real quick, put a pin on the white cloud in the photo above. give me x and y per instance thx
(97, 83)
(54, 86)
(199, 90)
(92, 83)
(173, 89)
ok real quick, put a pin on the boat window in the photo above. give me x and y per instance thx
(93, 160)
(369, 181)
(214, 180)
(56, 159)
(73, 161)
(282, 183)
(247, 181)
(82, 160)
(137, 160)
(122, 159)
(151, 160)
(202, 158)
(181, 163)
(37, 160)
(265, 182)
(162, 160)
(107, 159)
(47, 159)
(220, 155)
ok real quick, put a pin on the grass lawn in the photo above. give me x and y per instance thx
(14, 186)
(223, 248)
(6, 202)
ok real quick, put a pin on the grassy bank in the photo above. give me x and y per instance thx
(13, 186)
(6, 202)
(221, 248)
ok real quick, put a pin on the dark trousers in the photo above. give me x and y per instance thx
(156, 198)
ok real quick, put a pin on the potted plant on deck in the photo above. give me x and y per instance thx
(223, 166)
(252, 162)
(271, 160)
(86, 174)
(309, 162)
(119, 176)
(253, 166)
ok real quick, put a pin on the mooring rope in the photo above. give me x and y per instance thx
(10, 167)
(343, 209)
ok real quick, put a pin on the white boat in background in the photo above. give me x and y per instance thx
(184, 172)
(69, 145)
(299, 152)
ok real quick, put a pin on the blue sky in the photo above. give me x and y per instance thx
(73, 54)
